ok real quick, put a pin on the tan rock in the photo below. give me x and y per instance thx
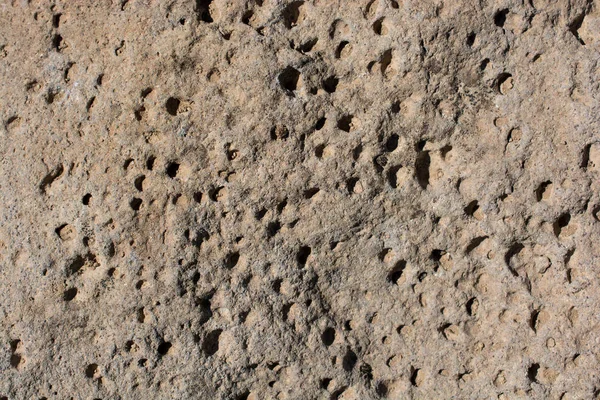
(299, 199)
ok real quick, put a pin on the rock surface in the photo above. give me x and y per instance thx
(300, 199)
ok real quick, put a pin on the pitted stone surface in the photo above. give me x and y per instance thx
(378, 199)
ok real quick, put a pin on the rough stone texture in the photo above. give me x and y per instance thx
(299, 200)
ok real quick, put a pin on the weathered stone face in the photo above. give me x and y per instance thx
(264, 199)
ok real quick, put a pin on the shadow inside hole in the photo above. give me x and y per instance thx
(172, 105)
(345, 123)
(330, 84)
(288, 79)
(500, 17)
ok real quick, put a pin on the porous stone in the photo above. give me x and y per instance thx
(307, 199)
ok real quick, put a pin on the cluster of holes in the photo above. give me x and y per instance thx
(384, 61)
(171, 170)
(289, 79)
